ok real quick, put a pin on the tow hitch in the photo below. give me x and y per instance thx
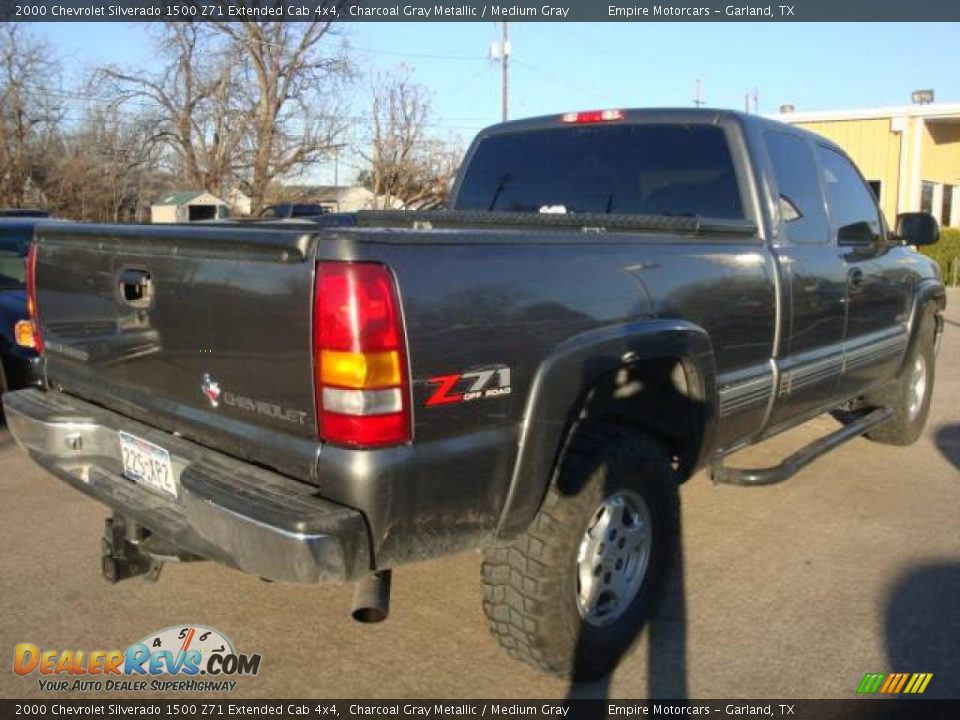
(130, 550)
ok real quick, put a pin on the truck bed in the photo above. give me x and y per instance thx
(231, 305)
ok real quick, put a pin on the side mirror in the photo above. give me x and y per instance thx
(918, 228)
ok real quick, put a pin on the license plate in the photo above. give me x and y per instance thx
(147, 464)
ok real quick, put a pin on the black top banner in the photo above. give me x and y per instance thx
(489, 709)
(859, 11)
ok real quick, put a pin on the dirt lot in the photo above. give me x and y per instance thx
(795, 590)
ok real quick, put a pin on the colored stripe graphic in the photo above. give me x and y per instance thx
(871, 682)
(894, 683)
(918, 683)
(901, 681)
(889, 683)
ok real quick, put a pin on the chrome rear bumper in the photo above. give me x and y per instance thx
(249, 518)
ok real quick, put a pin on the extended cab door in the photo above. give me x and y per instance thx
(813, 283)
(879, 286)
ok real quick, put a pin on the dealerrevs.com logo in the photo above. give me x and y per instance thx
(199, 658)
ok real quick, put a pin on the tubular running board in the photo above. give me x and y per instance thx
(800, 459)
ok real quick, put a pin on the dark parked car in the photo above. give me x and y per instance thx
(23, 213)
(19, 365)
(284, 211)
(615, 300)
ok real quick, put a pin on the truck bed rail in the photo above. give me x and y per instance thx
(585, 222)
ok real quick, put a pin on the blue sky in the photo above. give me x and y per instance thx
(556, 67)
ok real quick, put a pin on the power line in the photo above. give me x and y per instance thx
(71, 115)
(591, 46)
(464, 84)
(429, 56)
(505, 69)
(553, 78)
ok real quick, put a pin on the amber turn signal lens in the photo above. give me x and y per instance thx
(24, 334)
(360, 369)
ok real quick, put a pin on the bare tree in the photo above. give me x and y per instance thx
(195, 93)
(29, 116)
(405, 163)
(291, 94)
(246, 104)
(104, 168)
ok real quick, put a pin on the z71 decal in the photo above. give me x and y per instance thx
(465, 387)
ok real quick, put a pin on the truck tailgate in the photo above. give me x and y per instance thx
(204, 331)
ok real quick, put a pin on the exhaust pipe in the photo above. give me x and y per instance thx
(371, 598)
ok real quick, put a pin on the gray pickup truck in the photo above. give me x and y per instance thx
(613, 300)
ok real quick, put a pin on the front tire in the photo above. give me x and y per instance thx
(909, 394)
(572, 593)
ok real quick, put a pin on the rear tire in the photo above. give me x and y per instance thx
(909, 394)
(570, 595)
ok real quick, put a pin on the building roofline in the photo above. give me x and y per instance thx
(933, 110)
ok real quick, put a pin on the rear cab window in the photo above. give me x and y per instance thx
(852, 205)
(675, 169)
(800, 198)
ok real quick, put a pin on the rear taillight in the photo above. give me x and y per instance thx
(28, 331)
(593, 116)
(360, 364)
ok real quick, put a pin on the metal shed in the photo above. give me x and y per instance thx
(189, 206)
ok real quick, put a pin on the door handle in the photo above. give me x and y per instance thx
(855, 279)
(136, 287)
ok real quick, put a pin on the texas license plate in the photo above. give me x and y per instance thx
(147, 464)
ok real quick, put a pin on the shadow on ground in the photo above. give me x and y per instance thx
(666, 648)
(667, 642)
(948, 441)
(5, 437)
(923, 626)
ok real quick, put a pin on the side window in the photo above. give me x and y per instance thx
(13, 248)
(13, 269)
(851, 203)
(801, 202)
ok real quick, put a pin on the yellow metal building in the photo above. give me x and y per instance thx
(910, 155)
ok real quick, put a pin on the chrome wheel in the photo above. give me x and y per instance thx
(613, 557)
(918, 387)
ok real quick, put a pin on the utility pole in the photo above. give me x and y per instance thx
(505, 70)
(756, 101)
(699, 101)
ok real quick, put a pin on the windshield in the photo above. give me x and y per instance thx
(683, 170)
(294, 210)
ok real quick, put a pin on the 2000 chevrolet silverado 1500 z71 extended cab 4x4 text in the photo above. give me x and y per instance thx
(614, 300)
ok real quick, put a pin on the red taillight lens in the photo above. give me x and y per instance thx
(593, 116)
(359, 310)
(32, 312)
(360, 364)
(370, 431)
